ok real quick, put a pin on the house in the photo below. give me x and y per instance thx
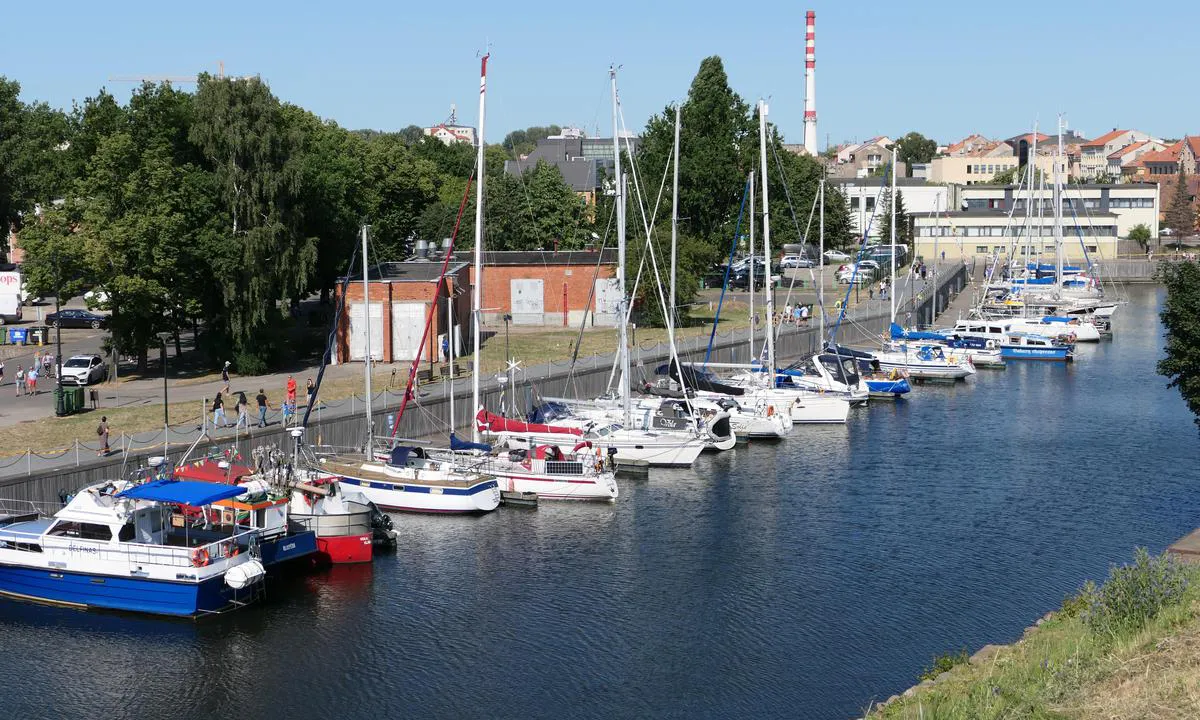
(1118, 159)
(1161, 163)
(968, 233)
(866, 159)
(920, 198)
(976, 161)
(450, 134)
(582, 161)
(1093, 159)
(1130, 204)
(846, 153)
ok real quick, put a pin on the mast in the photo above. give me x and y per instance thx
(1058, 212)
(451, 339)
(619, 179)
(367, 334)
(752, 266)
(674, 221)
(892, 282)
(821, 260)
(762, 141)
(477, 303)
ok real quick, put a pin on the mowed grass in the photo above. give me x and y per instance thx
(1063, 669)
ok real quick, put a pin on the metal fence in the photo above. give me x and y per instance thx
(342, 423)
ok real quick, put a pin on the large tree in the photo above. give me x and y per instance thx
(1180, 215)
(254, 153)
(883, 218)
(1181, 317)
(35, 169)
(915, 148)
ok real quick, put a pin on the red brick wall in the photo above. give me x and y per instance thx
(388, 292)
(497, 285)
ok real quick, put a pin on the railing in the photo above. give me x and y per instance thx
(135, 552)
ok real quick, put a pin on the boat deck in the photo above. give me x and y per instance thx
(374, 472)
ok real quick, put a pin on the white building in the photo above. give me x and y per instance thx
(450, 134)
(1131, 204)
(1093, 159)
(920, 198)
(965, 234)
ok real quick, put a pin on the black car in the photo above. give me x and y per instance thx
(76, 319)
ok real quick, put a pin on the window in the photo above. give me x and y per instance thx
(870, 203)
(968, 169)
(1091, 248)
(981, 249)
(83, 531)
(126, 533)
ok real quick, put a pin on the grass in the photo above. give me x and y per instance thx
(1070, 668)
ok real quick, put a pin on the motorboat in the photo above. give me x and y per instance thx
(581, 473)
(887, 385)
(712, 394)
(125, 546)
(924, 360)
(664, 415)
(980, 351)
(826, 373)
(1028, 346)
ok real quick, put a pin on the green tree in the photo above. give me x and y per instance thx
(402, 185)
(1141, 235)
(915, 148)
(534, 210)
(883, 218)
(242, 131)
(55, 260)
(523, 142)
(1181, 317)
(1180, 215)
(34, 165)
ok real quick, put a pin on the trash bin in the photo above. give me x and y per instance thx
(60, 401)
(76, 396)
(18, 335)
(37, 335)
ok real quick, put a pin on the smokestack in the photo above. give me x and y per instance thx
(810, 84)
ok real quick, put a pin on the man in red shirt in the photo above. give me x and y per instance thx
(289, 404)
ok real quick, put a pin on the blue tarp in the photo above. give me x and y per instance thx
(899, 333)
(456, 444)
(185, 492)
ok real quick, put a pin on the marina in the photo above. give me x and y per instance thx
(818, 557)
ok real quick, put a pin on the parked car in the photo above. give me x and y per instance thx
(864, 273)
(832, 256)
(76, 319)
(84, 370)
(794, 261)
(96, 300)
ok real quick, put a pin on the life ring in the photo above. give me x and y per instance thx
(200, 557)
(990, 344)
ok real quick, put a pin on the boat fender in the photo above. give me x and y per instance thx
(990, 344)
(200, 557)
(770, 410)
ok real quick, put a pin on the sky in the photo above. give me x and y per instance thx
(945, 69)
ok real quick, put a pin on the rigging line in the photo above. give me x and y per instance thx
(591, 294)
(803, 236)
(858, 258)
(728, 266)
(331, 338)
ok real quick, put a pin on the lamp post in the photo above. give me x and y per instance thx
(164, 337)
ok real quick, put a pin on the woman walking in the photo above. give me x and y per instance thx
(243, 415)
(218, 411)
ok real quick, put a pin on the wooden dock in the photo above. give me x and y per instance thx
(1187, 548)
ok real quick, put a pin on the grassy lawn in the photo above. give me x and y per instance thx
(1066, 669)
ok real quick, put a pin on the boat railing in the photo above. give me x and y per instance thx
(13, 508)
(141, 554)
(491, 465)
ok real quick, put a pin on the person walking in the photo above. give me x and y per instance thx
(261, 399)
(218, 411)
(804, 315)
(225, 377)
(102, 431)
(309, 389)
(20, 381)
(243, 410)
(787, 313)
(31, 379)
(1, 372)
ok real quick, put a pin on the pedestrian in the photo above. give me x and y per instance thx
(787, 313)
(1, 372)
(31, 379)
(37, 358)
(242, 407)
(871, 293)
(943, 256)
(225, 377)
(804, 315)
(446, 347)
(289, 409)
(20, 381)
(309, 391)
(47, 360)
(261, 399)
(796, 314)
(291, 390)
(218, 410)
(102, 431)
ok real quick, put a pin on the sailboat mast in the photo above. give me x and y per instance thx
(367, 337)
(1058, 211)
(451, 341)
(752, 266)
(762, 141)
(619, 180)
(674, 221)
(892, 282)
(477, 302)
(821, 267)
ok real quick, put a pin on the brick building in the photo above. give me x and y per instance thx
(398, 302)
(548, 288)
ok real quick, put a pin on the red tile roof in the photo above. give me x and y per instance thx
(973, 139)
(1028, 137)
(1194, 144)
(1105, 139)
(1170, 155)
(1121, 152)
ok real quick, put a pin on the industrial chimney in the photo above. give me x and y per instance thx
(810, 84)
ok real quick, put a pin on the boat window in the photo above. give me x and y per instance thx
(126, 533)
(83, 531)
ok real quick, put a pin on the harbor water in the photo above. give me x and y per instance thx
(802, 579)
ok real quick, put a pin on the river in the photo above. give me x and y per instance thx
(802, 579)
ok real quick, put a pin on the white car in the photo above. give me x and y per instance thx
(96, 300)
(794, 261)
(832, 256)
(84, 370)
(865, 268)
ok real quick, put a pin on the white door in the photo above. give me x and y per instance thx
(357, 332)
(608, 301)
(408, 324)
(528, 302)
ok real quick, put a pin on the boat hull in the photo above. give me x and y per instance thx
(341, 537)
(109, 592)
(345, 549)
(479, 497)
(288, 548)
(888, 389)
(549, 487)
(1052, 354)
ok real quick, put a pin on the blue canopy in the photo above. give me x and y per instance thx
(456, 444)
(899, 333)
(185, 492)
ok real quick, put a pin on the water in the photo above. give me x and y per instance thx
(802, 579)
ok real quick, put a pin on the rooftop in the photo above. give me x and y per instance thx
(1105, 138)
(543, 257)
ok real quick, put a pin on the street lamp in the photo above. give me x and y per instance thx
(164, 337)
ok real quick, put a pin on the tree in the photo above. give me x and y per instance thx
(523, 142)
(402, 184)
(34, 167)
(1180, 216)
(915, 148)
(1017, 175)
(55, 261)
(1141, 235)
(883, 219)
(534, 210)
(242, 131)
(1181, 317)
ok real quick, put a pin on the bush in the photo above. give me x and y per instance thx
(1134, 594)
(944, 662)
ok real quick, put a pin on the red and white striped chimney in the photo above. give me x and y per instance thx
(810, 84)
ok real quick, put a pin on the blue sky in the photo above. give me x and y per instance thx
(944, 68)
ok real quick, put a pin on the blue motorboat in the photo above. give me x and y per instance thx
(1029, 346)
(121, 546)
(883, 385)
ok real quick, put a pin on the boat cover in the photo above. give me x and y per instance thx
(183, 492)
(497, 424)
(899, 333)
(210, 471)
(457, 444)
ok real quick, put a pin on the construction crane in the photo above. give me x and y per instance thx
(166, 78)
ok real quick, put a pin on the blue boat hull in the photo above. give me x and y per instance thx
(1060, 354)
(888, 388)
(285, 549)
(131, 594)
